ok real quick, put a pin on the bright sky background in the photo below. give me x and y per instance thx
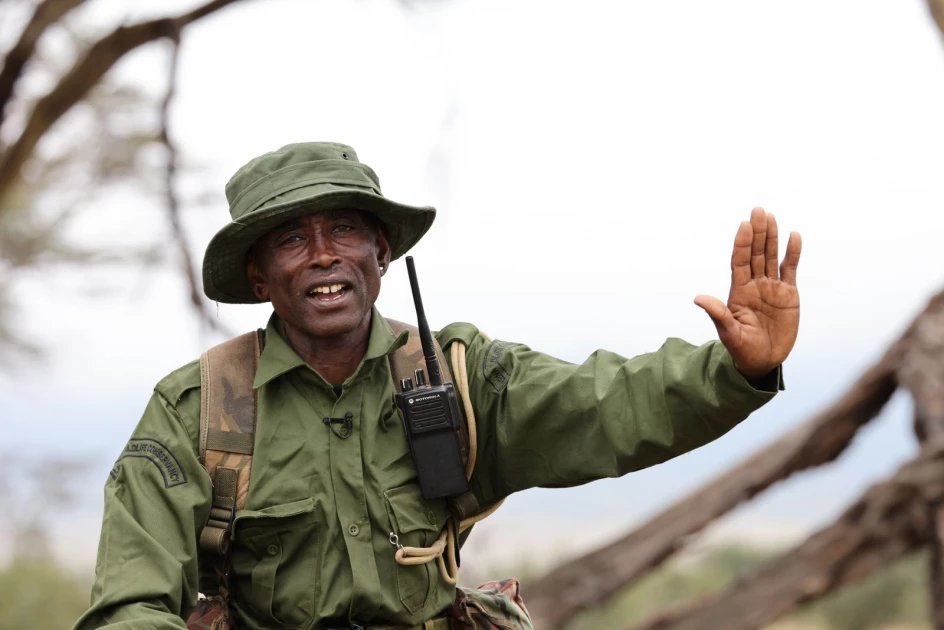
(590, 162)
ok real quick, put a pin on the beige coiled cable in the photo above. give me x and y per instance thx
(443, 551)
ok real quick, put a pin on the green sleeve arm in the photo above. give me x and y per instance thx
(157, 499)
(546, 422)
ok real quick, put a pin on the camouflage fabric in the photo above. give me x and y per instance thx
(492, 606)
(211, 614)
(230, 408)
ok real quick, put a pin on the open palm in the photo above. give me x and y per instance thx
(759, 324)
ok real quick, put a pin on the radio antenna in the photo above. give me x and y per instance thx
(426, 338)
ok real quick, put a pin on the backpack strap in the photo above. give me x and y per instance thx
(228, 409)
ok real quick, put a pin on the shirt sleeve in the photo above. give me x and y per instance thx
(156, 502)
(545, 422)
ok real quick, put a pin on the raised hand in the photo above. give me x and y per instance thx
(759, 324)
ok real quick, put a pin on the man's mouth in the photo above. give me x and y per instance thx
(329, 292)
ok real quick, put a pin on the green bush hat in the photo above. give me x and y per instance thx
(297, 180)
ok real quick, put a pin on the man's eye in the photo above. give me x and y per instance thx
(291, 238)
(344, 228)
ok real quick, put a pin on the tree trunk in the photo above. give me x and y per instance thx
(922, 372)
(888, 521)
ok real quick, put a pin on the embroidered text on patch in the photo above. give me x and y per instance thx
(493, 371)
(161, 456)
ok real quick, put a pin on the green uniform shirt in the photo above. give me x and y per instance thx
(312, 545)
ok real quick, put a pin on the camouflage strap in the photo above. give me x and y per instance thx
(211, 613)
(494, 605)
(227, 430)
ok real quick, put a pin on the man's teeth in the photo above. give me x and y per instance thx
(334, 288)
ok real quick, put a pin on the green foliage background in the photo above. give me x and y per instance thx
(894, 598)
(37, 594)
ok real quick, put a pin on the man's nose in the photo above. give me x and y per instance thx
(322, 254)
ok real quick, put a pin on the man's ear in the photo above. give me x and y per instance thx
(257, 280)
(383, 252)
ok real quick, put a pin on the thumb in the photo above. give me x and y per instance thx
(719, 313)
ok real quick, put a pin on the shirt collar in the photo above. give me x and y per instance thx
(278, 356)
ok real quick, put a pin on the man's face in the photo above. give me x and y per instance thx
(322, 271)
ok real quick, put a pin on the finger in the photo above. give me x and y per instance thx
(770, 249)
(720, 315)
(741, 256)
(788, 269)
(759, 225)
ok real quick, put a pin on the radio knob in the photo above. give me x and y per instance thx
(420, 378)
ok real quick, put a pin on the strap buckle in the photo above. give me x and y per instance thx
(219, 528)
(222, 516)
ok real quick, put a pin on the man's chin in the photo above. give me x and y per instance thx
(326, 320)
(327, 325)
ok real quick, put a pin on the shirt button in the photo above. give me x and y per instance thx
(273, 550)
(353, 529)
(431, 516)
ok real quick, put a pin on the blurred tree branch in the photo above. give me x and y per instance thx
(84, 75)
(47, 13)
(173, 205)
(937, 12)
(103, 142)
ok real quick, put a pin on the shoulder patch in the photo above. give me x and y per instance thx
(495, 373)
(159, 455)
(173, 386)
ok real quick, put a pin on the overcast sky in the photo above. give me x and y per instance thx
(590, 162)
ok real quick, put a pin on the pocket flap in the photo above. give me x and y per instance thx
(411, 512)
(284, 510)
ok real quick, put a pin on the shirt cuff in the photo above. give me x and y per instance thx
(771, 383)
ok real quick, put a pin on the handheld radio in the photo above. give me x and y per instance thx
(430, 413)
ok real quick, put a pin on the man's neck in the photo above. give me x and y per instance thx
(335, 358)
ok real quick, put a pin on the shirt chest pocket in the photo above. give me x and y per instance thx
(275, 564)
(417, 522)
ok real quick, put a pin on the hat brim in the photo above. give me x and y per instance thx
(225, 278)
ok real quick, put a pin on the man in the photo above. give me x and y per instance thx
(312, 234)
